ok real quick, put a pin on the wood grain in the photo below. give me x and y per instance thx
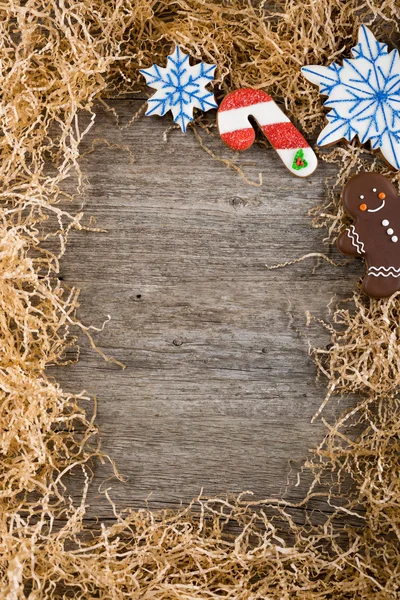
(219, 390)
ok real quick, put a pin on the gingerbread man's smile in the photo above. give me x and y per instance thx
(364, 207)
(376, 209)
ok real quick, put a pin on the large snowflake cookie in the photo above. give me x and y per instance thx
(364, 95)
(180, 88)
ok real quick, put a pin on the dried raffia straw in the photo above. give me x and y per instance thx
(364, 356)
(57, 58)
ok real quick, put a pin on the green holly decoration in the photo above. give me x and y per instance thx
(299, 162)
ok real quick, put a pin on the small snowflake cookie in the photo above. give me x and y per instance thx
(374, 204)
(364, 95)
(237, 132)
(180, 88)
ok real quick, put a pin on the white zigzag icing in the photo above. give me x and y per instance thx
(355, 239)
(384, 272)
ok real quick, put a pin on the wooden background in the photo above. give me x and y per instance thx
(219, 390)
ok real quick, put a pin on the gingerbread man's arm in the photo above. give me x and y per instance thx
(349, 242)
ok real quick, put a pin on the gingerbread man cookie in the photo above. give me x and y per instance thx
(374, 204)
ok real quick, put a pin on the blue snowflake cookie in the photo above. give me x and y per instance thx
(364, 95)
(180, 88)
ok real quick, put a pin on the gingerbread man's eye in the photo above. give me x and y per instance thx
(361, 197)
(374, 190)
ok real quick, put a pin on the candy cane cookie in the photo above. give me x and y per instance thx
(237, 132)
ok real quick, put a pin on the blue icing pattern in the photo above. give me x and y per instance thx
(180, 88)
(364, 95)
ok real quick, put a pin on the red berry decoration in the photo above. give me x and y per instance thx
(299, 162)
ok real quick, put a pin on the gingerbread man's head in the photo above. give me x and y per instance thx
(367, 193)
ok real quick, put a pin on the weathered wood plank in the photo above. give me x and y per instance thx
(218, 391)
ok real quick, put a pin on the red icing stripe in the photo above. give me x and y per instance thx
(241, 139)
(284, 136)
(243, 97)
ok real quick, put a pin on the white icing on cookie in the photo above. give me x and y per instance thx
(181, 87)
(265, 113)
(376, 209)
(384, 272)
(363, 95)
(355, 239)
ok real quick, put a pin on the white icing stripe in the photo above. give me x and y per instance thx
(376, 209)
(265, 113)
(287, 157)
(355, 239)
(384, 272)
(386, 269)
